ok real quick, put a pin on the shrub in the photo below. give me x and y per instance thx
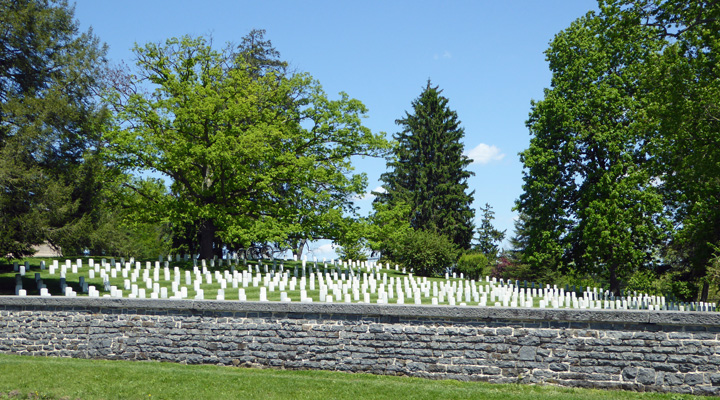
(352, 252)
(473, 265)
(668, 284)
(506, 268)
(674, 284)
(643, 281)
(427, 253)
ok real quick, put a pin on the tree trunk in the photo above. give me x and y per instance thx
(207, 239)
(705, 291)
(298, 248)
(614, 282)
(218, 250)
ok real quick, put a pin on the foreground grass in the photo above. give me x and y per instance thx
(56, 378)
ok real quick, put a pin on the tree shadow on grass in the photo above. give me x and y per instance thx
(8, 280)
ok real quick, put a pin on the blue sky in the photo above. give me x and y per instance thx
(486, 56)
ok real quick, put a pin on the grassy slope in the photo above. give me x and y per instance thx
(97, 379)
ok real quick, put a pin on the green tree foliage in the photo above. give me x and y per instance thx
(115, 236)
(488, 236)
(519, 239)
(253, 157)
(388, 231)
(353, 240)
(428, 170)
(683, 106)
(588, 197)
(50, 174)
(512, 259)
(120, 232)
(387, 228)
(258, 57)
(640, 80)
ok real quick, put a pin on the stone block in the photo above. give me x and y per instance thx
(645, 376)
(558, 367)
(694, 379)
(527, 353)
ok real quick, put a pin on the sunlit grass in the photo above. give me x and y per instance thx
(55, 378)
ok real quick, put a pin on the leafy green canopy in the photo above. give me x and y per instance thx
(626, 140)
(252, 157)
(589, 200)
(428, 170)
(683, 125)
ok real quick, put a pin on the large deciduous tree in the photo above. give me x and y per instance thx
(589, 200)
(427, 172)
(253, 154)
(50, 175)
(638, 86)
(683, 123)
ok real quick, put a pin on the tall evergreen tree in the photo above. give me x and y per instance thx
(428, 170)
(258, 56)
(50, 175)
(488, 236)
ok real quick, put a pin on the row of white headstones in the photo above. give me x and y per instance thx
(347, 287)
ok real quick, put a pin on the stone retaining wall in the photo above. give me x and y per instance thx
(635, 350)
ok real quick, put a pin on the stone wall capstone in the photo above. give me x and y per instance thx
(617, 349)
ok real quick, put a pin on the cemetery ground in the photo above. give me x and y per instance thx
(280, 280)
(65, 378)
(210, 279)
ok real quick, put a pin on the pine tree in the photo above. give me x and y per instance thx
(428, 170)
(50, 175)
(488, 236)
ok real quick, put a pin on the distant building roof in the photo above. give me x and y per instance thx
(45, 250)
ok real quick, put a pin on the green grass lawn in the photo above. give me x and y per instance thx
(56, 378)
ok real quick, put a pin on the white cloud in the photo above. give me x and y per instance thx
(483, 154)
(324, 249)
(446, 54)
(319, 252)
(369, 195)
